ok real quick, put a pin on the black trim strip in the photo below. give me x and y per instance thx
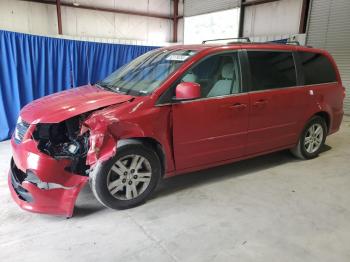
(17, 177)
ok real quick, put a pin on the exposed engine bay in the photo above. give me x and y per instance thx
(64, 140)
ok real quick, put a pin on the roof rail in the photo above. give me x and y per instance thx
(288, 41)
(237, 39)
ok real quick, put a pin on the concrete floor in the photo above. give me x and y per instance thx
(271, 208)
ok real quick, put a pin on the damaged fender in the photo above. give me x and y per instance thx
(103, 145)
(105, 133)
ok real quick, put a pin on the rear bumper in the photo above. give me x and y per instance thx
(53, 189)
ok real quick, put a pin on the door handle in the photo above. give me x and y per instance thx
(239, 106)
(260, 103)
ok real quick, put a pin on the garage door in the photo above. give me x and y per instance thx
(197, 7)
(329, 28)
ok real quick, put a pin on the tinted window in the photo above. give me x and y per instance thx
(218, 75)
(317, 68)
(271, 69)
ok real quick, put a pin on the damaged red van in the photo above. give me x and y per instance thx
(173, 110)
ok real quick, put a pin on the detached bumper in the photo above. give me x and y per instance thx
(42, 197)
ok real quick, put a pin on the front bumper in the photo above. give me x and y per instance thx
(60, 190)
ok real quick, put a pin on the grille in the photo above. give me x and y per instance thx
(21, 129)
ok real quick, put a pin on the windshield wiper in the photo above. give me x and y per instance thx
(106, 87)
(110, 88)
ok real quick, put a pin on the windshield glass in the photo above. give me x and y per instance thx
(144, 74)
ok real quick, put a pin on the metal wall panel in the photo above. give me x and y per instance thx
(329, 28)
(275, 18)
(197, 7)
(41, 19)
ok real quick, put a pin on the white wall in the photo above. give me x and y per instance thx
(36, 18)
(275, 18)
(180, 31)
(221, 24)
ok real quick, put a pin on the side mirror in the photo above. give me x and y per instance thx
(187, 91)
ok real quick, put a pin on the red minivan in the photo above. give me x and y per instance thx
(173, 110)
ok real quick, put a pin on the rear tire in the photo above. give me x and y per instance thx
(127, 179)
(311, 139)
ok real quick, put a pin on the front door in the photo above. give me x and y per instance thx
(214, 127)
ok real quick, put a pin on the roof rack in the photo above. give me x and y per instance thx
(247, 40)
(237, 40)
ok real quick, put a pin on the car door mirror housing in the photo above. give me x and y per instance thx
(187, 91)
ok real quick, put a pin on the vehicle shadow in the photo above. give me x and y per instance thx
(88, 205)
(228, 171)
(83, 211)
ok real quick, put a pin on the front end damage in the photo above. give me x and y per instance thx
(51, 162)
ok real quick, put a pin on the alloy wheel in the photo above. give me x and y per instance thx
(313, 138)
(129, 177)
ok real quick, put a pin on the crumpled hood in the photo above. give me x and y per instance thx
(63, 105)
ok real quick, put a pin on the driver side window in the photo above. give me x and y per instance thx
(218, 75)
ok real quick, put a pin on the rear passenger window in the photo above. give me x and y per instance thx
(317, 68)
(271, 69)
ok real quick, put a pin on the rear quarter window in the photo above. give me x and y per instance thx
(317, 68)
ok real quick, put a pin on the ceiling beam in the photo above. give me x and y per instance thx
(304, 16)
(175, 20)
(241, 19)
(105, 9)
(59, 17)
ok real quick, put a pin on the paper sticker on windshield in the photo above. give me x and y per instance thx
(177, 57)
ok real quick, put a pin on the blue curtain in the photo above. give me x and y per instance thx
(35, 66)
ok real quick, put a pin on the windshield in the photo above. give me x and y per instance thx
(144, 74)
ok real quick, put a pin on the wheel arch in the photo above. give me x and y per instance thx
(321, 112)
(148, 142)
(326, 116)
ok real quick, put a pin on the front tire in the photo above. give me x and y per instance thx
(127, 179)
(311, 139)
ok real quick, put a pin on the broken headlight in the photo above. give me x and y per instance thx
(63, 140)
